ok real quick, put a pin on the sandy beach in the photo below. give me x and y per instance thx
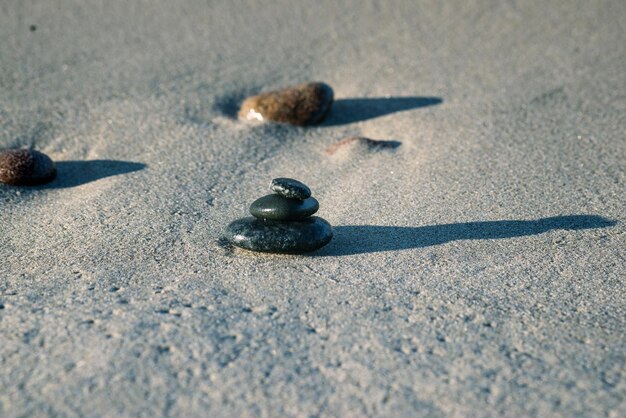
(478, 265)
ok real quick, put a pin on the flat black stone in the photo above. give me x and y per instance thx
(279, 237)
(290, 188)
(278, 208)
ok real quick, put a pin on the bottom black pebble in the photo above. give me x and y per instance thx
(280, 237)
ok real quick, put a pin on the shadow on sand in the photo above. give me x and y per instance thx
(346, 111)
(361, 239)
(76, 173)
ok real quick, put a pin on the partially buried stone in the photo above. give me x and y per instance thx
(304, 104)
(290, 188)
(367, 143)
(280, 237)
(280, 208)
(25, 167)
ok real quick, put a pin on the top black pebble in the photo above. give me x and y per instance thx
(290, 188)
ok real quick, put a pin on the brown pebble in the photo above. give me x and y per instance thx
(369, 143)
(25, 167)
(304, 104)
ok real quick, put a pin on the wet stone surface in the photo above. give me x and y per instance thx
(24, 167)
(278, 208)
(280, 237)
(304, 104)
(290, 188)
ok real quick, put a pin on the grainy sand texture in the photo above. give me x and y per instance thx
(478, 265)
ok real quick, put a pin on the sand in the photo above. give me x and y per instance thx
(477, 269)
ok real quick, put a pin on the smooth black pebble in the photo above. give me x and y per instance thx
(290, 188)
(278, 208)
(280, 237)
(25, 167)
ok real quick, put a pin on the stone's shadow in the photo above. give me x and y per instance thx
(361, 239)
(344, 111)
(76, 173)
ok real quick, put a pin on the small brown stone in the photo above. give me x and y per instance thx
(25, 167)
(367, 142)
(304, 104)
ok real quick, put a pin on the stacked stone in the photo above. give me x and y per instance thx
(282, 222)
